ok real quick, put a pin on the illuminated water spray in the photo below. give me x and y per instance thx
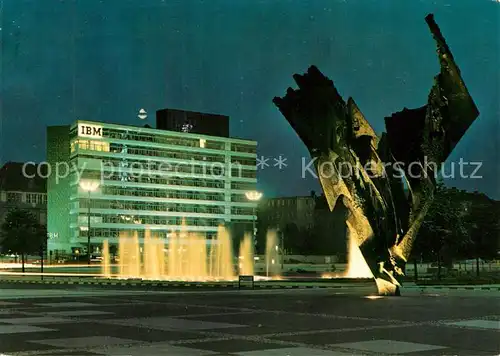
(246, 260)
(273, 266)
(106, 268)
(187, 256)
(177, 256)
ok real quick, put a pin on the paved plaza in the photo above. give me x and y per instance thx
(78, 320)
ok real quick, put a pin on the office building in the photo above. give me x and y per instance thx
(23, 186)
(147, 179)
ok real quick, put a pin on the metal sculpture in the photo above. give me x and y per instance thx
(387, 182)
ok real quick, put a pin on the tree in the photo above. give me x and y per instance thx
(443, 235)
(292, 237)
(22, 234)
(483, 226)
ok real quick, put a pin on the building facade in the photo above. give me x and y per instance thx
(23, 186)
(305, 223)
(145, 179)
(194, 122)
(280, 211)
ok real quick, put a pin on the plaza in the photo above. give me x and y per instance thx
(200, 233)
(77, 320)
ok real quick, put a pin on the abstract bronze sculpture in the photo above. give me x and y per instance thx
(370, 173)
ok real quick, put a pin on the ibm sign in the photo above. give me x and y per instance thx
(87, 130)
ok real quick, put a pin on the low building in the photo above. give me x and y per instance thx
(23, 186)
(280, 211)
(305, 223)
(330, 228)
(140, 178)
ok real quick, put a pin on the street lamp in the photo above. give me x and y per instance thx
(254, 196)
(89, 186)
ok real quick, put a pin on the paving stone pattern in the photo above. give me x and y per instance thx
(247, 323)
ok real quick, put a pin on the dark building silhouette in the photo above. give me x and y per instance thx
(307, 224)
(193, 122)
(280, 211)
(23, 186)
(330, 229)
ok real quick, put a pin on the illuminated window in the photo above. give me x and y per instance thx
(90, 145)
(31, 198)
(14, 197)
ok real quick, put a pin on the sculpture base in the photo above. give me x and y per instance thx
(387, 288)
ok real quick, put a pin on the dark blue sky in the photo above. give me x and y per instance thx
(104, 60)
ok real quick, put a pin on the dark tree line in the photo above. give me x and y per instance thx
(459, 225)
(327, 236)
(22, 234)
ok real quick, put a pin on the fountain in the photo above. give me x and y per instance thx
(272, 255)
(195, 258)
(189, 257)
(246, 260)
(129, 255)
(185, 256)
(106, 268)
(154, 257)
(222, 262)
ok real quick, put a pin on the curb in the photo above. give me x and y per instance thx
(160, 284)
(469, 288)
(131, 283)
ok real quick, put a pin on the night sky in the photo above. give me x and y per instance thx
(105, 60)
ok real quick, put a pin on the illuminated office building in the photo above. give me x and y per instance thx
(148, 179)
